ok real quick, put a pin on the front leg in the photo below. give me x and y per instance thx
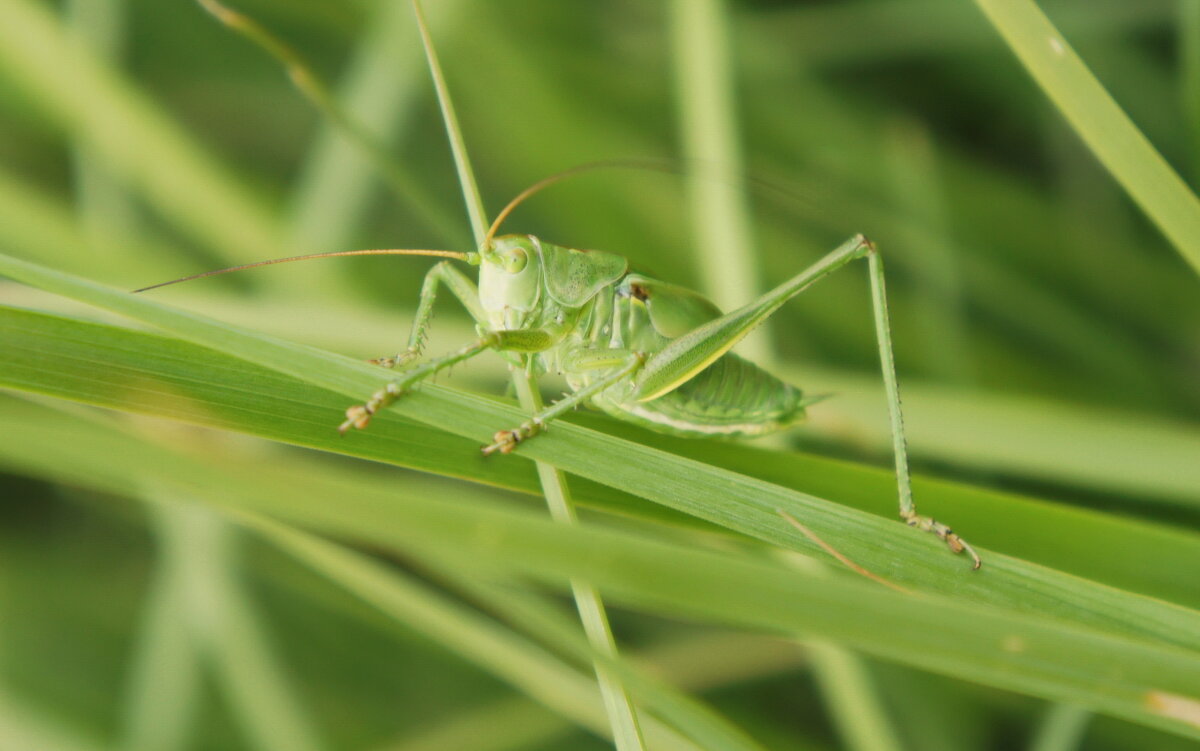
(460, 285)
(627, 364)
(359, 416)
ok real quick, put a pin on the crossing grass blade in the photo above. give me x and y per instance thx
(1099, 121)
(623, 716)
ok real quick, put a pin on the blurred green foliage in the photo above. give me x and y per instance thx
(1048, 342)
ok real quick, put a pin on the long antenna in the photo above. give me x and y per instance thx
(775, 189)
(647, 164)
(387, 252)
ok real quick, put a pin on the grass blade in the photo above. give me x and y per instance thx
(132, 137)
(378, 90)
(697, 720)
(627, 733)
(406, 184)
(96, 364)
(721, 232)
(708, 128)
(523, 664)
(1062, 728)
(853, 701)
(1099, 121)
(462, 161)
(1136, 677)
(161, 698)
(747, 505)
(235, 641)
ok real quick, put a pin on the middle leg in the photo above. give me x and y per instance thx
(627, 363)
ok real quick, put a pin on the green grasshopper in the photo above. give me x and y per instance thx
(642, 350)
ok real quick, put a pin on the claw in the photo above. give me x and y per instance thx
(504, 442)
(958, 545)
(403, 358)
(357, 417)
(952, 540)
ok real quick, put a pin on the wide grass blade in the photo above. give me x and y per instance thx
(1136, 677)
(747, 505)
(152, 374)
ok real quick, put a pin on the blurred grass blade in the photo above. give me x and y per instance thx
(694, 663)
(35, 225)
(162, 693)
(261, 697)
(714, 179)
(853, 703)
(1099, 121)
(911, 172)
(104, 207)
(132, 137)
(512, 724)
(700, 722)
(720, 221)
(405, 183)
(23, 727)
(1062, 729)
(1189, 75)
(519, 662)
(1136, 677)
(1144, 458)
(900, 29)
(379, 90)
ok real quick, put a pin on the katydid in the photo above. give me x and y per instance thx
(642, 350)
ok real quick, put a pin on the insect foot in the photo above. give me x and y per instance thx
(359, 416)
(506, 440)
(956, 543)
(403, 358)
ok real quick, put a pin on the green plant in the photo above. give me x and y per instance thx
(1074, 381)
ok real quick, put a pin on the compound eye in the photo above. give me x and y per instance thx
(514, 260)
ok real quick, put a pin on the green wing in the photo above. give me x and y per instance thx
(575, 276)
(673, 310)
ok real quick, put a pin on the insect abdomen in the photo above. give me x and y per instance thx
(730, 397)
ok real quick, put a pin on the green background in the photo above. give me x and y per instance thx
(1047, 329)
